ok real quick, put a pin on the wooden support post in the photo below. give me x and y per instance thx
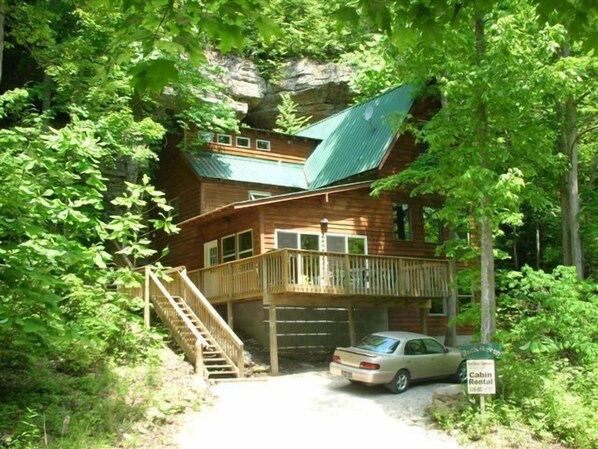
(198, 358)
(451, 331)
(423, 316)
(146, 299)
(273, 339)
(229, 314)
(351, 325)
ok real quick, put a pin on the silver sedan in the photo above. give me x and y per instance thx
(395, 359)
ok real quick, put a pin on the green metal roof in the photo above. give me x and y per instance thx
(350, 143)
(209, 164)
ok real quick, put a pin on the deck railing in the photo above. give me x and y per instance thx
(291, 270)
(223, 336)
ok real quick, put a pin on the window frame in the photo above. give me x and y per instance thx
(427, 213)
(238, 145)
(237, 253)
(257, 145)
(230, 139)
(396, 232)
(444, 308)
(258, 194)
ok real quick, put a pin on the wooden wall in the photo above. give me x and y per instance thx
(177, 180)
(218, 194)
(282, 147)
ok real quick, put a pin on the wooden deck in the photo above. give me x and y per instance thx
(289, 276)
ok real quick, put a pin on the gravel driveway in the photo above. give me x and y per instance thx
(312, 410)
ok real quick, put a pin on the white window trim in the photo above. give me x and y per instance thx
(297, 233)
(243, 146)
(444, 309)
(257, 142)
(258, 194)
(347, 237)
(236, 236)
(229, 144)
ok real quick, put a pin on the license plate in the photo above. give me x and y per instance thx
(347, 374)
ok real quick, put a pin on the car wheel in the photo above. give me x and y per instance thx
(461, 374)
(400, 382)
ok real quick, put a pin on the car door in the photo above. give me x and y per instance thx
(436, 359)
(415, 354)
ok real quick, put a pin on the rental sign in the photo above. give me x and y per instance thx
(481, 372)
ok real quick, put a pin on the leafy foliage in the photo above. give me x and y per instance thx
(287, 120)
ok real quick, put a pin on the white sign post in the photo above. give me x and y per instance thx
(481, 376)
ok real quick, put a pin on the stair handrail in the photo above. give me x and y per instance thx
(178, 310)
(211, 308)
(240, 362)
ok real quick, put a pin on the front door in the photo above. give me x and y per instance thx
(210, 254)
(210, 258)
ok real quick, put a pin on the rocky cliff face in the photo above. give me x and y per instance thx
(319, 89)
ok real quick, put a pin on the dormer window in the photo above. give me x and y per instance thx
(243, 142)
(224, 139)
(256, 195)
(263, 145)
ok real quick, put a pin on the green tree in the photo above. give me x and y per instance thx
(287, 120)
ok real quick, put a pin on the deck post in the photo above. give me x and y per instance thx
(351, 325)
(229, 314)
(451, 331)
(273, 338)
(423, 317)
(146, 299)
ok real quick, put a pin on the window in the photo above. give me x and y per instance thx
(433, 347)
(224, 139)
(205, 137)
(229, 248)
(174, 213)
(297, 240)
(438, 307)
(245, 244)
(402, 221)
(243, 142)
(255, 195)
(237, 246)
(432, 226)
(346, 244)
(262, 144)
(415, 347)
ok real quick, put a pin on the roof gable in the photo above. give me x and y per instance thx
(351, 144)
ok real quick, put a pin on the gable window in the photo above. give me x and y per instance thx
(256, 195)
(262, 144)
(402, 221)
(432, 226)
(224, 139)
(243, 142)
(237, 246)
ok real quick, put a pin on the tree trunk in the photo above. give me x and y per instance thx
(2, 15)
(569, 188)
(488, 294)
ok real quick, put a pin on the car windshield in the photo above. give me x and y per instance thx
(378, 343)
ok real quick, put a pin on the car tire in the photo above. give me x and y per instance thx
(460, 376)
(400, 382)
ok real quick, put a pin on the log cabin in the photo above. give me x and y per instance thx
(281, 235)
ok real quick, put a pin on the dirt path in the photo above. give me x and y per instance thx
(311, 410)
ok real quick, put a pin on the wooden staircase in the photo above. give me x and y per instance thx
(205, 338)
